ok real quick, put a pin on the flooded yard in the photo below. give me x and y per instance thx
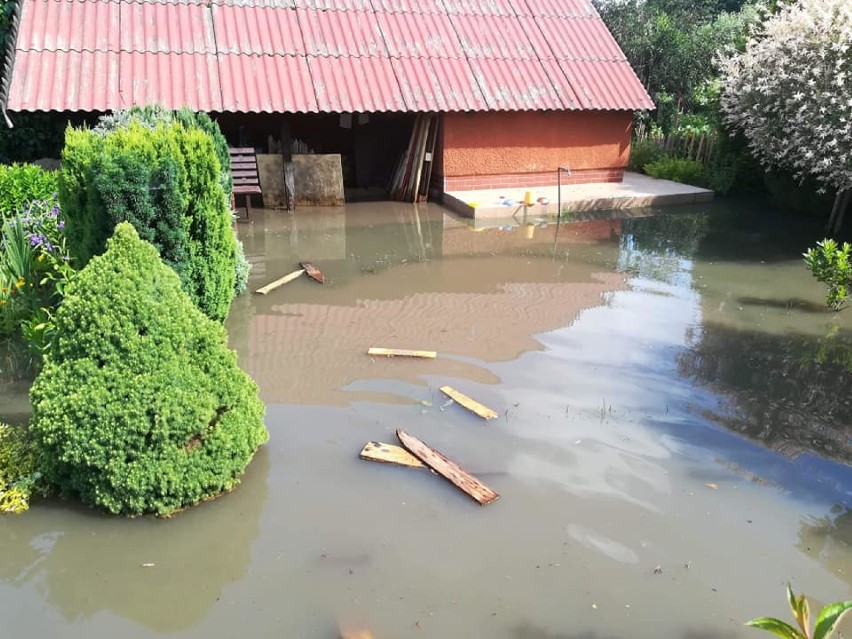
(672, 446)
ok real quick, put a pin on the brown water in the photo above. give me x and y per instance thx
(632, 362)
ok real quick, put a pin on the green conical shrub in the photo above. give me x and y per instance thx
(141, 407)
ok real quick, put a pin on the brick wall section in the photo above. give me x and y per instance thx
(522, 180)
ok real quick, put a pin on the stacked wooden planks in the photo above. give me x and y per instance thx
(413, 175)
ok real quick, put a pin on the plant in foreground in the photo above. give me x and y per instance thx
(830, 263)
(19, 474)
(826, 621)
(140, 406)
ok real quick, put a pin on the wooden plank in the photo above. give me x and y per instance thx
(471, 404)
(401, 352)
(279, 282)
(313, 272)
(447, 469)
(390, 454)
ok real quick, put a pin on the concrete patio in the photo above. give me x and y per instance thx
(635, 191)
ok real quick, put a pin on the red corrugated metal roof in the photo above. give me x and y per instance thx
(480, 7)
(363, 85)
(411, 35)
(605, 85)
(165, 28)
(266, 84)
(171, 80)
(498, 37)
(516, 85)
(438, 84)
(69, 25)
(319, 55)
(560, 8)
(257, 30)
(341, 33)
(65, 80)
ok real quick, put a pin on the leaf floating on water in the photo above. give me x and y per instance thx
(658, 570)
(425, 402)
(148, 565)
(711, 486)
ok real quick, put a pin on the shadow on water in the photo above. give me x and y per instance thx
(165, 574)
(788, 391)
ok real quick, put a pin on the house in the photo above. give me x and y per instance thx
(521, 87)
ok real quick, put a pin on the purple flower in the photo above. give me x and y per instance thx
(61, 225)
(54, 212)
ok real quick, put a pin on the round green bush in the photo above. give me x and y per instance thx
(141, 407)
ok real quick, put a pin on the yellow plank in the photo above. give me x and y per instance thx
(447, 469)
(279, 282)
(390, 454)
(401, 352)
(471, 404)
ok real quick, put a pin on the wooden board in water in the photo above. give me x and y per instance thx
(279, 282)
(313, 272)
(447, 469)
(471, 404)
(401, 352)
(390, 454)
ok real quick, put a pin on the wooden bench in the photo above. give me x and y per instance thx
(244, 173)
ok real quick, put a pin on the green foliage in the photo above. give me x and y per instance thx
(826, 622)
(21, 184)
(34, 269)
(671, 43)
(141, 407)
(830, 264)
(643, 152)
(20, 477)
(678, 170)
(165, 177)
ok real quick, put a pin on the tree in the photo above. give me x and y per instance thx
(140, 406)
(789, 94)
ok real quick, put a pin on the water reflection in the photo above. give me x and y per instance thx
(165, 574)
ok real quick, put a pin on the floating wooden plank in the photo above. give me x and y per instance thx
(447, 469)
(401, 352)
(313, 272)
(471, 404)
(390, 454)
(279, 282)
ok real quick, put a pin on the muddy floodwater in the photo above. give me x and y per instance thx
(672, 444)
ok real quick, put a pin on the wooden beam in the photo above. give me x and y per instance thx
(401, 352)
(447, 469)
(390, 454)
(279, 282)
(471, 404)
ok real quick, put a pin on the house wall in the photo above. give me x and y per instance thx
(523, 149)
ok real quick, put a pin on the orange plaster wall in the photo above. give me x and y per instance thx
(533, 141)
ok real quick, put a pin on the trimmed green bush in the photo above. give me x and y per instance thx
(21, 184)
(140, 406)
(678, 170)
(167, 180)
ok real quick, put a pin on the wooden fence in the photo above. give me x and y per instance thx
(700, 147)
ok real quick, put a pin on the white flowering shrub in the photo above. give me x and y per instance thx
(790, 92)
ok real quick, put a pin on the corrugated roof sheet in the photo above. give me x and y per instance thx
(60, 80)
(257, 30)
(438, 84)
(319, 55)
(498, 37)
(266, 84)
(341, 33)
(516, 85)
(347, 85)
(427, 35)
